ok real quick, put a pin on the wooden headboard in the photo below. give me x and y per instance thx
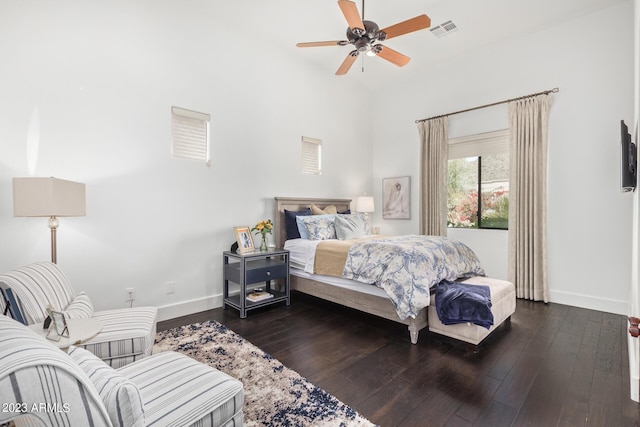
(296, 204)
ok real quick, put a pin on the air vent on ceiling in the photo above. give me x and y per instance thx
(444, 29)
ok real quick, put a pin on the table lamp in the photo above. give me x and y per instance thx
(365, 205)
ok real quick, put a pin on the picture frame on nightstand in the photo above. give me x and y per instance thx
(245, 240)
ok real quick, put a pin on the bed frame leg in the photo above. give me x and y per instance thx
(413, 331)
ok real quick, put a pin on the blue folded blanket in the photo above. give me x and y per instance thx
(462, 303)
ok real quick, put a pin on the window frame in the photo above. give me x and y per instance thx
(478, 145)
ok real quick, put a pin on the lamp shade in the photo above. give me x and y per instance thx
(364, 204)
(48, 197)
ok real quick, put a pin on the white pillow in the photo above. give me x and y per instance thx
(350, 226)
(80, 308)
(318, 227)
(119, 394)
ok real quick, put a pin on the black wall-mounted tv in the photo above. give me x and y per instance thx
(629, 159)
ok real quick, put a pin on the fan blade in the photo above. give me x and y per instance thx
(350, 12)
(410, 25)
(393, 56)
(347, 63)
(327, 43)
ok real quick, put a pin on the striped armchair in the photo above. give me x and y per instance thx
(40, 385)
(127, 334)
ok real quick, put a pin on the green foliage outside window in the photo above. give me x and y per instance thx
(478, 192)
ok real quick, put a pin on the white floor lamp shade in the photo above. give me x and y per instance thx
(48, 197)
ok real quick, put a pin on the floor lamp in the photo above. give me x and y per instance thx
(48, 197)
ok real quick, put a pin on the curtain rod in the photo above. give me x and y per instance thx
(554, 90)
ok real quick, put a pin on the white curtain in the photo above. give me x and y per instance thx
(528, 120)
(433, 176)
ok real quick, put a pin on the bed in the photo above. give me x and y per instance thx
(364, 297)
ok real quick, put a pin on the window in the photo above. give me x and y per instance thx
(311, 161)
(190, 134)
(478, 181)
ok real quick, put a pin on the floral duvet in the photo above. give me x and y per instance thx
(406, 267)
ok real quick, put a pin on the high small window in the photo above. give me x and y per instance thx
(478, 181)
(311, 161)
(190, 134)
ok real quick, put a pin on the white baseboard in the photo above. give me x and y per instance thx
(185, 308)
(592, 303)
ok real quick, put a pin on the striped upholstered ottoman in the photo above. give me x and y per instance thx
(178, 390)
(503, 305)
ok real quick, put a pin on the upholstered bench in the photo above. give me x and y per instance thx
(503, 305)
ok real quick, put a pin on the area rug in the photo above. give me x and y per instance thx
(274, 395)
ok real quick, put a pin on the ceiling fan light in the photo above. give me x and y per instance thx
(362, 44)
(371, 52)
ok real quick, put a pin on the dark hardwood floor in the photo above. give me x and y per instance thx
(553, 365)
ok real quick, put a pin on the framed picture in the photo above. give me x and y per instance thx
(396, 198)
(245, 241)
(58, 327)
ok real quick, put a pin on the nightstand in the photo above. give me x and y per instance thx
(253, 268)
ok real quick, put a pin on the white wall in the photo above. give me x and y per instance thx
(589, 230)
(104, 77)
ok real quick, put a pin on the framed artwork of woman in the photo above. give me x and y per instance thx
(396, 198)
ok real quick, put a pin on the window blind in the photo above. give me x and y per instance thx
(311, 155)
(481, 144)
(190, 134)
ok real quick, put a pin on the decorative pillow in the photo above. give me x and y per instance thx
(347, 212)
(302, 220)
(331, 209)
(350, 227)
(319, 227)
(119, 394)
(80, 308)
(11, 304)
(290, 223)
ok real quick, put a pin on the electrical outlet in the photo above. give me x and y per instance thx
(171, 287)
(131, 294)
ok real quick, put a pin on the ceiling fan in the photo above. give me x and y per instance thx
(366, 35)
